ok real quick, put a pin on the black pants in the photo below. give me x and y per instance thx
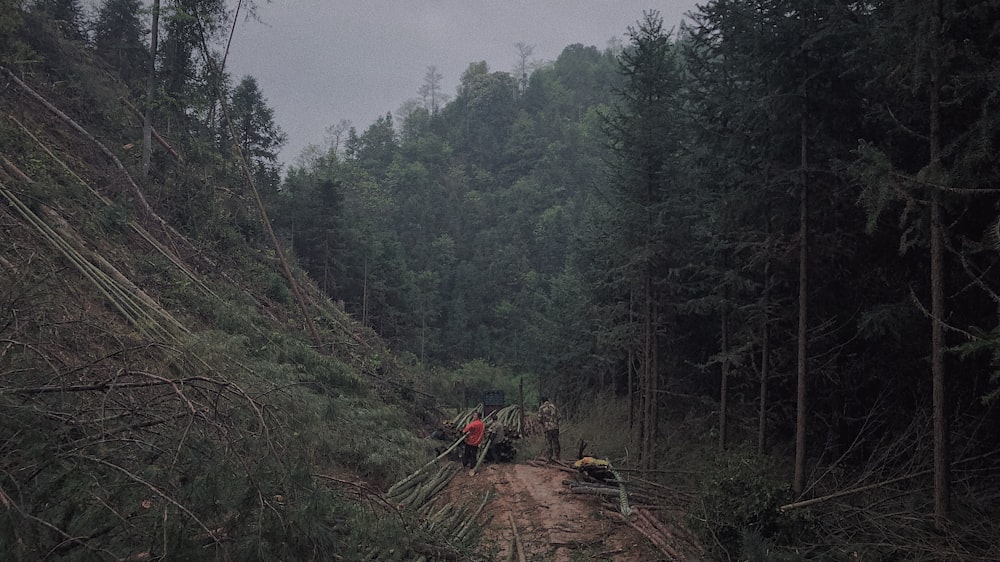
(469, 455)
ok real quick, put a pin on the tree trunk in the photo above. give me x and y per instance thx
(364, 294)
(147, 121)
(654, 425)
(647, 375)
(765, 344)
(800, 417)
(631, 389)
(724, 384)
(326, 266)
(520, 400)
(942, 454)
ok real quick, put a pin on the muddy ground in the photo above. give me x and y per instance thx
(554, 524)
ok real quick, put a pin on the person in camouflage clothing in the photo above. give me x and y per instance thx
(548, 418)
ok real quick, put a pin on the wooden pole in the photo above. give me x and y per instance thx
(517, 539)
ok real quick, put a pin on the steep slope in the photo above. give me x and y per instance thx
(160, 396)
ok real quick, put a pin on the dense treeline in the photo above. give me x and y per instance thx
(788, 207)
(454, 222)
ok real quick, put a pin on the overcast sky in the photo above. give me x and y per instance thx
(322, 61)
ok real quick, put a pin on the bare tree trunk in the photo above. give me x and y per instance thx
(147, 120)
(423, 328)
(647, 376)
(724, 384)
(520, 400)
(942, 453)
(765, 349)
(654, 424)
(364, 295)
(326, 266)
(631, 389)
(801, 408)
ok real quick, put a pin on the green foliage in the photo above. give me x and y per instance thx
(118, 38)
(489, 228)
(872, 170)
(211, 443)
(457, 221)
(278, 290)
(114, 219)
(379, 444)
(13, 50)
(65, 16)
(466, 385)
(986, 343)
(739, 496)
(255, 133)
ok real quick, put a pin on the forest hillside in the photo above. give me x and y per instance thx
(166, 392)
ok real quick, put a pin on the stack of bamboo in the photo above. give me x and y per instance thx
(503, 429)
(418, 488)
(415, 493)
(457, 523)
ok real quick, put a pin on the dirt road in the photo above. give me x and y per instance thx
(552, 523)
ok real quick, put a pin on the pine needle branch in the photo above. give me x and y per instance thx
(153, 488)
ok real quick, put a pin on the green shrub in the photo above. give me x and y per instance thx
(739, 496)
(114, 218)
(466, 385)
(277, 289)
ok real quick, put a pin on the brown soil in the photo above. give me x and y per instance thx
(552, 523)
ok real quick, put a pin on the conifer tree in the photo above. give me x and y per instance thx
(644, 133)
(773, 101)
(12, 49)
(939, 93)
(258, 136)
(118, 37)
(65, 14)
(147, 116)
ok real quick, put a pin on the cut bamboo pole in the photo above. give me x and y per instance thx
(517, 539)
(852, 491)
(142, 232)
(482, 453)
(395, 487)
(657, 541)
(134, 187)
(470, 522)
(126, 304)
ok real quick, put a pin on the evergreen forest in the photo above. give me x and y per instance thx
(751, 257)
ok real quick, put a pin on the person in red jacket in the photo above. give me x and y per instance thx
(473, 437)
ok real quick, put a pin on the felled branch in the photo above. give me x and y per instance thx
(106, 385)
